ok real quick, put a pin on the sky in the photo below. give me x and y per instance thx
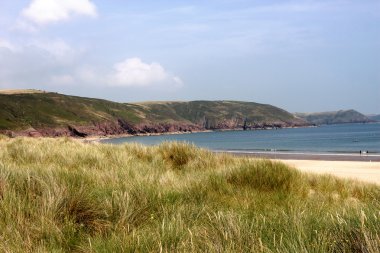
(302, 56)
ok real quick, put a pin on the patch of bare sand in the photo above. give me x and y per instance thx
(363, 171)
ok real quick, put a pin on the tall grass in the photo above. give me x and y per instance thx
(59, 195)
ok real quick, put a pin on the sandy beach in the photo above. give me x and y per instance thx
(363, 171)
(364, 168)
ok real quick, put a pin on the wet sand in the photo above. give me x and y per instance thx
(307, 156)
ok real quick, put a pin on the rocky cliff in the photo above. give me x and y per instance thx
(52, 114)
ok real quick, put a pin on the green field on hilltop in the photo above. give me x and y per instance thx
(24, 110)
(62, 195)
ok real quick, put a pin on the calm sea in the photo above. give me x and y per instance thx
(344, 138)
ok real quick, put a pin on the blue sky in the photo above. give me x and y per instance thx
(303, 56)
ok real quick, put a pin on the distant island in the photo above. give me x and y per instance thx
(39, 113)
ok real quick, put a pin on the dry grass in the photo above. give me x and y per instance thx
(59, 195)
(20, 91)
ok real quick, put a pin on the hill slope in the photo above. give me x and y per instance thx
(374, 117)
(52, 114)
(336, 117)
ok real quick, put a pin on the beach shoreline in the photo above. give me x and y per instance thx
(314, 156)
(117, 136)
(363, 168)
(368, 172)
(97, 138)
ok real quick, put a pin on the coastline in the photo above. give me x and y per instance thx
(91, 138)
(284, 154)
(363, 168)
(116, 136)
(312, 156)
(97, 138)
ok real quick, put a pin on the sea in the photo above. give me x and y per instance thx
(340, 138)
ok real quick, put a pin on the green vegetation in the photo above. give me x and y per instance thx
(59, 195)
(338, 117)
(217, 111)
(37, 110)
(23, 110)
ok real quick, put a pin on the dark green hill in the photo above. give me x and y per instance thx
(217, 114)
(336, 117)
(20, 111)
(56, 114)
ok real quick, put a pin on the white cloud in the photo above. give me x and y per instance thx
(89, 75)
(22, 25)
(56, 48)
(54, 63)
(134, 72)
(7, 45)
(292, 7)
(62, 80)
(38, 62)
(51, 11)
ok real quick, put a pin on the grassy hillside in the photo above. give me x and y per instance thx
(218, 111)
(337, 117)
(20, 111)
(60, 195)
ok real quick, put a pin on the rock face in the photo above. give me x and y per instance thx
(52, 114)
(121, 127)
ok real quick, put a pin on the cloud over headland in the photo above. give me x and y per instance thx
(135, 72)
(43, 12)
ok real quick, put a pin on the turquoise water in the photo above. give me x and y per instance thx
(343, 138)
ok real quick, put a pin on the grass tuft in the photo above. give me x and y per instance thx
(61, 195)
(177, 155)
(83, 210)
(266, 175)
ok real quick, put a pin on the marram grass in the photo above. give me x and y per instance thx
(61, 195)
